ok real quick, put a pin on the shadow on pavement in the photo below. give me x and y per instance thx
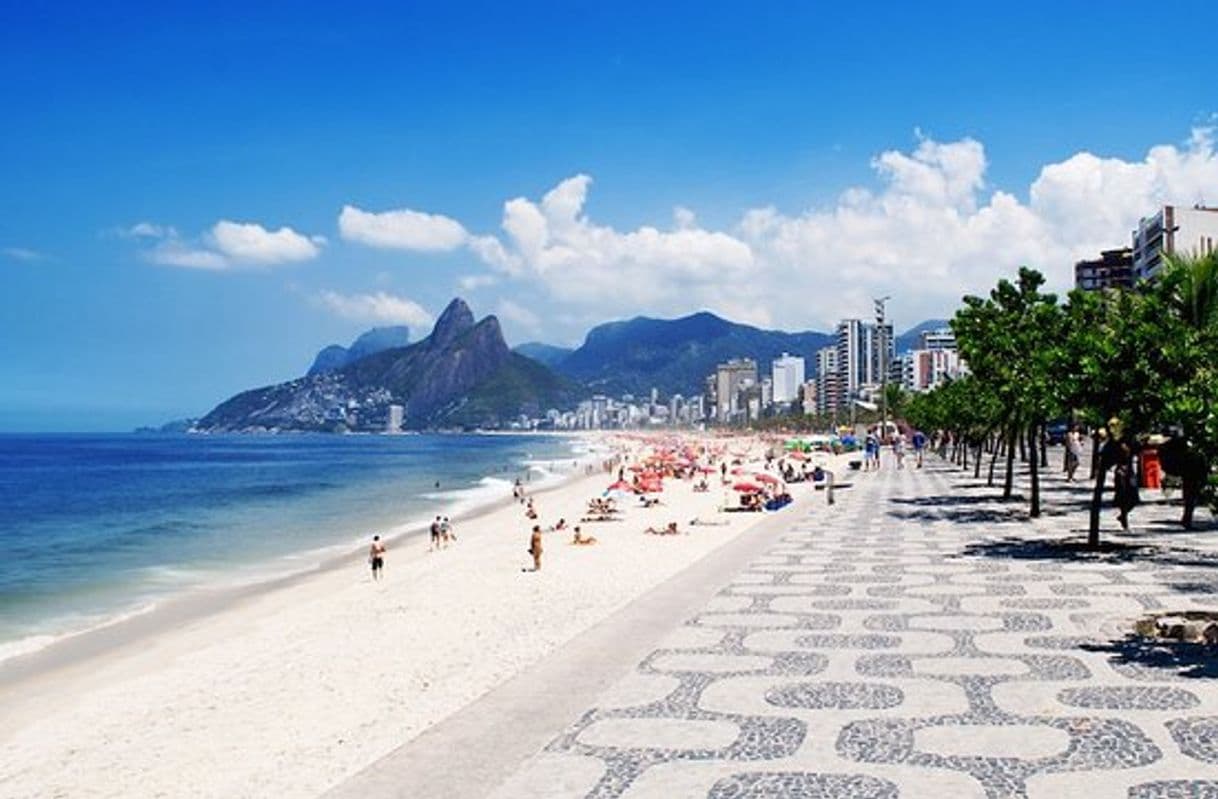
(1194, 661)
(970, 516)
(1055, 549)
(1076, 549)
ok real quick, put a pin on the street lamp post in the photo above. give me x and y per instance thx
(879, 331)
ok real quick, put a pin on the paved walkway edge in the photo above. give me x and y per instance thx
(472, 752)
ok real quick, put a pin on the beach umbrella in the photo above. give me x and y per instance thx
(620, 485)
(797, 456)
(766, 478)
(746, 488)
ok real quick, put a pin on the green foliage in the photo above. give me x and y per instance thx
(1147, 357)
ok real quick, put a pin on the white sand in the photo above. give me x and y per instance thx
(290, 691)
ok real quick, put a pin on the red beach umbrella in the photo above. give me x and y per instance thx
(746, 488)
(767, 478)
(620, 485)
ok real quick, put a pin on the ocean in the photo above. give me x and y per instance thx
(96, 527)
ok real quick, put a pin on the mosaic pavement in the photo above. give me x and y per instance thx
(917, 639)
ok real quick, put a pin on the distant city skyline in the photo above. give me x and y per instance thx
(197, 199)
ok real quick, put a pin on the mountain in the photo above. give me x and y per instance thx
(461, 375)
(547, 354)
(909, 339)
(676, 355)
(335, 357)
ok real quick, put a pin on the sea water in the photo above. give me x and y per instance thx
(95, 527)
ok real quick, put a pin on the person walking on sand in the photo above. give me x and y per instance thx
(435, 535)
(535, 547)
(376, 557)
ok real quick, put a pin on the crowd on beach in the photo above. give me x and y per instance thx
(754, 473)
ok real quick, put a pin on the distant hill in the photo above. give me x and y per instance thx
(546, 354)
(378, 339)
(909, 339)
(461, 375)
(676, 355)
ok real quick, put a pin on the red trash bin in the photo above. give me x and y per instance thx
(1152, 472)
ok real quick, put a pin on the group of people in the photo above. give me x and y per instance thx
(441, 533)
(900, 444)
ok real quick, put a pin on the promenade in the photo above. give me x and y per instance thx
(920, 638)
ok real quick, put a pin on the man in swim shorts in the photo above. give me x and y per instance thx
(376, 557)
(435, 534)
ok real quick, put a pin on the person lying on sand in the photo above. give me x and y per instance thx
(696, 522)
(671, 529)
(581, 539)
(562, 525)
(601, 518)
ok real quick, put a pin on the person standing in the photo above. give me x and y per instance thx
(1074, 452)
(435, 535)
(535, 547)
(919, 446)
(376, 557)
(446, 532)
(898, 449)
(1117, 453)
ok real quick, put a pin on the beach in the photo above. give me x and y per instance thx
(292, 689)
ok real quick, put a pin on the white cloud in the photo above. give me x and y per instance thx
(172, 252)
(402, 229)
(518, 314)
(228, 245)
(23, 254)
(148, 230)
(380, 307)
(246, 242)
(474, 282)
(928, 230)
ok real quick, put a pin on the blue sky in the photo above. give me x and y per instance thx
(777, 163)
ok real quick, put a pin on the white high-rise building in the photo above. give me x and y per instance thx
(864, 351)
(729, 377)
(941, 339)
(1173, 229)
(394, 423)
(788, 376)
(828, 381)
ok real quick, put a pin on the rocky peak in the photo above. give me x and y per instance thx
(453, 323)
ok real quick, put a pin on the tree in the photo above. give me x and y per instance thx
(1009, 340)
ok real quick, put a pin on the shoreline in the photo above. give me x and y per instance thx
(290, 689)
(223, 590)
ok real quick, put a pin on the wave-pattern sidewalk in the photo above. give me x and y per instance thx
(920, 640)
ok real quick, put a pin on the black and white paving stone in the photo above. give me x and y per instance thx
(916, 639)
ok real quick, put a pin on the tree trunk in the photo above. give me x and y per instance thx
(977, 460)
(964, 456)
(1097, 499)
(1008, 486)
(993, 460)
(1034, 467)
(1023, 450)
(1043, 445)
